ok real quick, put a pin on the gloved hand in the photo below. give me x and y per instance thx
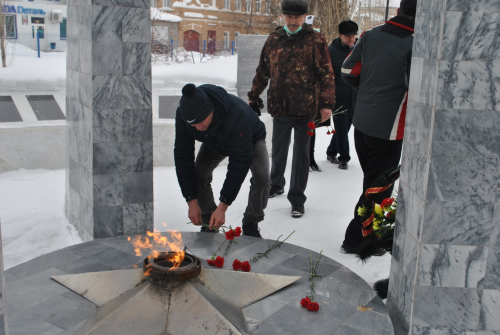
(257, 106)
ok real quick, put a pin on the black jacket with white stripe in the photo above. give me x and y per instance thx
(379, 68)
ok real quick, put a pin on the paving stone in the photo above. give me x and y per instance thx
(87, 249)
(27, 269)
(23, 323)
(114, 242)
(61, 312)
(334, 289)
(265, 328)
(43, 280)
(10, 309)
(303, 321)
(378, 306)
(74, 330)
(344, 330)
(116, 259)
(276, 256)
(84, 265)
(372, 323)
(304, 264)
(23, 294)
(329, 308)
(346, 276)
(75, 297)
(262, 265)
(262, 309)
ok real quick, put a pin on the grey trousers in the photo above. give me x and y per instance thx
(282, 133)
(207, 161)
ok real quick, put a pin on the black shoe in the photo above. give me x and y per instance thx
(343, 165)
(332, 159)
(314, 167)
(274, 191)
(205, 229)
(251, 229)
(297, 211)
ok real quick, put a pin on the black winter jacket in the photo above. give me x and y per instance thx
(233, 131)
(345, 95)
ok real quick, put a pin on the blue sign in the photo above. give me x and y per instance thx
(22, 10)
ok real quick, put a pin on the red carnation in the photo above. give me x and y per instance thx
(210, 262)
(313, 306)
(310, 133)
(219, 262)
(245, 266)
(236, 265)
(333, 131)
(305, 302)
(328, 133)
(386, 202)
(311, 125)
(237, 231)
(230, 235)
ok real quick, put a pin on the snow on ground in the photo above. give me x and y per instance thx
(33, 220)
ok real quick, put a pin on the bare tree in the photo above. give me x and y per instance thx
(331, 13)
(248, 16)
(2, 34)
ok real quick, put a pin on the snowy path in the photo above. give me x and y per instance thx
(33, 220)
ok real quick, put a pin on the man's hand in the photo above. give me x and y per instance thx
(325, 114)
(194, 212)
(218, 216)
(249, 102)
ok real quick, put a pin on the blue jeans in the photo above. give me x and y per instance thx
(339, 143)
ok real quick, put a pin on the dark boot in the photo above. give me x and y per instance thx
(251, 229)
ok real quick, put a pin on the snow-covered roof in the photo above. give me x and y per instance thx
(191, 14)
(158, 15)
(187, 4)
(212, 17)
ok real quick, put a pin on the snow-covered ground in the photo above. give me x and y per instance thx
(33, 220)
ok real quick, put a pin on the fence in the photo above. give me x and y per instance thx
(163, 47)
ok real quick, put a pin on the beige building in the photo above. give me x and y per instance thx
(214, 25)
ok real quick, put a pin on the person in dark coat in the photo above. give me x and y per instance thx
(227, 127)
(345, 95)
(379, 69)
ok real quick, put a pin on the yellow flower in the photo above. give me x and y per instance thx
(378, 210)
(375, 226)
(362, 211)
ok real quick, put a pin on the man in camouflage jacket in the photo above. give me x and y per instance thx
(296, 61)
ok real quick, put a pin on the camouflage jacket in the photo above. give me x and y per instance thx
(300, 73)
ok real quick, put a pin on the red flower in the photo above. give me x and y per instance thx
(219, 262)
(333, 131)
(245, 266)
(237, 231)
(236, 265)
(310, 133)
(311, 125)
(328, 133)
(386, 202)
(313, 306)
(230, 235)
(305, 302)
(210, 262)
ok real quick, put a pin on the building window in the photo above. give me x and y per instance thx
(153, 3)
(257, 7)
(237, 5)
(226, 39)
(268, 7)
(62, 29)
(10, 27)
(249, 6)
(166, 3)
(236, 37)
(227, 4)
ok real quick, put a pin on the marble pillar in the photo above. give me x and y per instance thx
(445, 271)
(109, 183)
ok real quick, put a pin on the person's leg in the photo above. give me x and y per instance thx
(341, 122)
(311, 148)
(300, 163)
(331, 151)
(206, 162)
(259, 190)
(282, 131)
(376, 156)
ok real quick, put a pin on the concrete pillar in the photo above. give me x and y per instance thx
(109, 130)
(445, 271)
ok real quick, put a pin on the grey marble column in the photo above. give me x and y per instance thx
(445, 271)
(109, 130)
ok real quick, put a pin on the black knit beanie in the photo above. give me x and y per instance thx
(409, 7)
(294, 7)
(195, 104)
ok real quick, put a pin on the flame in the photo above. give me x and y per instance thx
(175, 245)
